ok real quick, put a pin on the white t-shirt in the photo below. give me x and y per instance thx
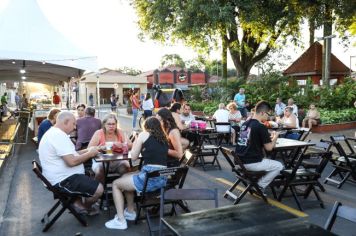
(222, 115)
(147, 105)
(188, 119)
(55, 144)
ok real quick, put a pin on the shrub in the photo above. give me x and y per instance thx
(337, 116)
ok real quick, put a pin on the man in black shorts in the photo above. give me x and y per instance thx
(254, 139)
(63, 166)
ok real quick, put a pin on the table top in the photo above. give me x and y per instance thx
(198, 130)
(290, 143)
(101, 157)
(226, 219)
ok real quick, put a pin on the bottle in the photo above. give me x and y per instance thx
(125, 148)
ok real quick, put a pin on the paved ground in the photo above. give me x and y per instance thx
(23, 199)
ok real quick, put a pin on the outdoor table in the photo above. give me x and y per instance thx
(242, 219)
(106, 160)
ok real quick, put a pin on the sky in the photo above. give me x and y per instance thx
(108, 30)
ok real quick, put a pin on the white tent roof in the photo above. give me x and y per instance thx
(26, 35)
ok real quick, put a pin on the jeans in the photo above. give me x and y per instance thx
(243, 111)
(135, 113)
(273, 168)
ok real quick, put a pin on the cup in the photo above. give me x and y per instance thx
(125, 148)
(108, 147)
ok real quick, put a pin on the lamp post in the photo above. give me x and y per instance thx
(326, 58)
(351, 65)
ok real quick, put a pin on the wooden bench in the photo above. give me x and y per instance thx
(198, 113)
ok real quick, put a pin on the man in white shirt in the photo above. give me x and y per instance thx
(279, 108)
(222, 115)
(63, 166)
(186, 116)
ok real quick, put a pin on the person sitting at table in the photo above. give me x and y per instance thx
(86, 127)
(289, 120)
(176, 112)
(234, 118)
(47, 123)
(63, 166)
(186, 116)
(110, 133)
(222, 115)
(152, 143)
(80, 111)
(312, 117)
(253, 140)
(177, 144)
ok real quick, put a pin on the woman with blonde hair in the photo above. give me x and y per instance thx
(110, 132)
(234, 119)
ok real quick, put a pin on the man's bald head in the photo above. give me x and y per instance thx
(65, 121)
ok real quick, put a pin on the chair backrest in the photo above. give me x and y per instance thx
(325, 158)
(342, 138)
(222, 125)
(232, 159)
(188, 158)
(346, 212)
(175, 178)
(37, 168)
(305, 134)
(342, 153)
(185, 194)
(295, 134)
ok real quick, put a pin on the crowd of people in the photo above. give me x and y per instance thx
(160, 145)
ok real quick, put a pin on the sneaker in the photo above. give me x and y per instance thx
(129, 215)
(263, 190)
(116, 224)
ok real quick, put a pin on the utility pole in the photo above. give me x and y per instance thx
(326, 59)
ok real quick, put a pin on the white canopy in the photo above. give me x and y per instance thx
(27, 39)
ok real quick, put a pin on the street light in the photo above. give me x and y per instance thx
(326, 58)
(351, 65)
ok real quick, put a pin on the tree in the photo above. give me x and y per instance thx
(129, 71)
(172, 60)
(248, 28)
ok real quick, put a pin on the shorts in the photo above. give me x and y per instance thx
(153, 183)
(78, 184)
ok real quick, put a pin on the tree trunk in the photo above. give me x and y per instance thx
(327, 45)
(224, 60)
(311, 31)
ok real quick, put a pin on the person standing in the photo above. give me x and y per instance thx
(113, 103)
(254, 139)
(147, 106)
(17, 100)
(24, 102)
(295, 108)
(4, 104)
(91, 99)
(56, 99)
(279, 108)
(135, 107)
(240, 99)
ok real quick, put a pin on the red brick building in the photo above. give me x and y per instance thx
(309, 65)
(175, 77)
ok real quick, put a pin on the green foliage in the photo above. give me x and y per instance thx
(337, 116)
(129, 71)
(172, 60)
(208, 107)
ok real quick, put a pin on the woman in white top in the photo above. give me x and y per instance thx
(234, 118)
(147, 106)
(289, 120)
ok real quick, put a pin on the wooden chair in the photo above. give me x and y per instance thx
(297, 176)
(204, 152)
(188, 158)
(173, 195)
(346, 212)
(248, 178)
(344, 165)
(175, 179)
(223, 135)
(65, 200)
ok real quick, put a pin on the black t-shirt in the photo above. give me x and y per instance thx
(253, 135)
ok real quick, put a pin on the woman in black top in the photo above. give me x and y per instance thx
(152, 143)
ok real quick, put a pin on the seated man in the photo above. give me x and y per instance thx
(86, 127)
(63, 167)
(222, 115)
(254, 138)
(186, 116)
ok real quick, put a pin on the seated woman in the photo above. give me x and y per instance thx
(152, 143)
(176, 112)
(289, 120)
(47, 123)
(110, 133)
(176, 145)
(312, 117)
(234, 118)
